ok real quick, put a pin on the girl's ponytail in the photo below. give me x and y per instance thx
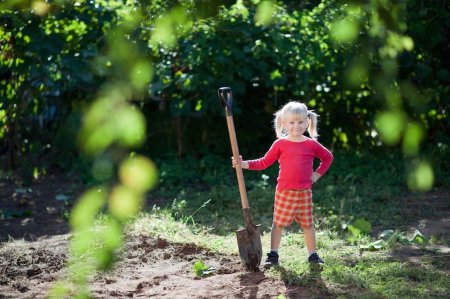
(313, 120)
(278, 124)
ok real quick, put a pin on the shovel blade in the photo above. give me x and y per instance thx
(249, 243)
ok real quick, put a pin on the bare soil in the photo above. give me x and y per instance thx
(34, 237)
(148, 268)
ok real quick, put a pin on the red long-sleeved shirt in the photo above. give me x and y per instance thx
(296, 162)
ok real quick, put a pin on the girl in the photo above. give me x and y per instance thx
(295, 154)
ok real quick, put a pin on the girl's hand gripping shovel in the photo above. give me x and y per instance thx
(248, 238)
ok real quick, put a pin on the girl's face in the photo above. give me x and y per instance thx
(295, 125)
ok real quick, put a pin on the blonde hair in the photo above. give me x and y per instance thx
(295, 108)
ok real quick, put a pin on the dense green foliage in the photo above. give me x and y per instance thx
(46, 71)
(343, 61)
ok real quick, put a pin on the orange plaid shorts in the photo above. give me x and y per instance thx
(293, 205)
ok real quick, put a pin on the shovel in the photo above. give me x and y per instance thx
(248, 238)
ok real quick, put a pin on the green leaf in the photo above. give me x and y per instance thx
(141, 74)
(377, 245)
(138, 173)
(110, 236)
(124, 202)
(200, 269)
(391, 125)
(132, 130)
(413, 136)
(360, 226)
(418, 238)
(86, 209)
(264, 13)
(163, 32)
(421, 177)
(345, 30)
(275, 74)
(355, 231)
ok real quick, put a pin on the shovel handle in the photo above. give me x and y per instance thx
(226, 100)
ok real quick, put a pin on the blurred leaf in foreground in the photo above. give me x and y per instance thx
(421, 177)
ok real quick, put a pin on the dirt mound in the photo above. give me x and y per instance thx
(156, 268)
(27, 269)
(147, 267)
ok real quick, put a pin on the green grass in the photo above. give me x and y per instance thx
(203, 206)
(371, 274)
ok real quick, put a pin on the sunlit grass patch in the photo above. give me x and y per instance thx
(391, 279)
(355, 274)
(160, 223)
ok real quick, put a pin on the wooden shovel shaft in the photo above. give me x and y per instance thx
(248, 238)
(235, 150)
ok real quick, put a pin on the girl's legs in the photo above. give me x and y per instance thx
(310, 242)
(275, 237)
(277, 232)
(310, 239)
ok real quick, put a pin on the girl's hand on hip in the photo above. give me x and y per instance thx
(315, 176)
